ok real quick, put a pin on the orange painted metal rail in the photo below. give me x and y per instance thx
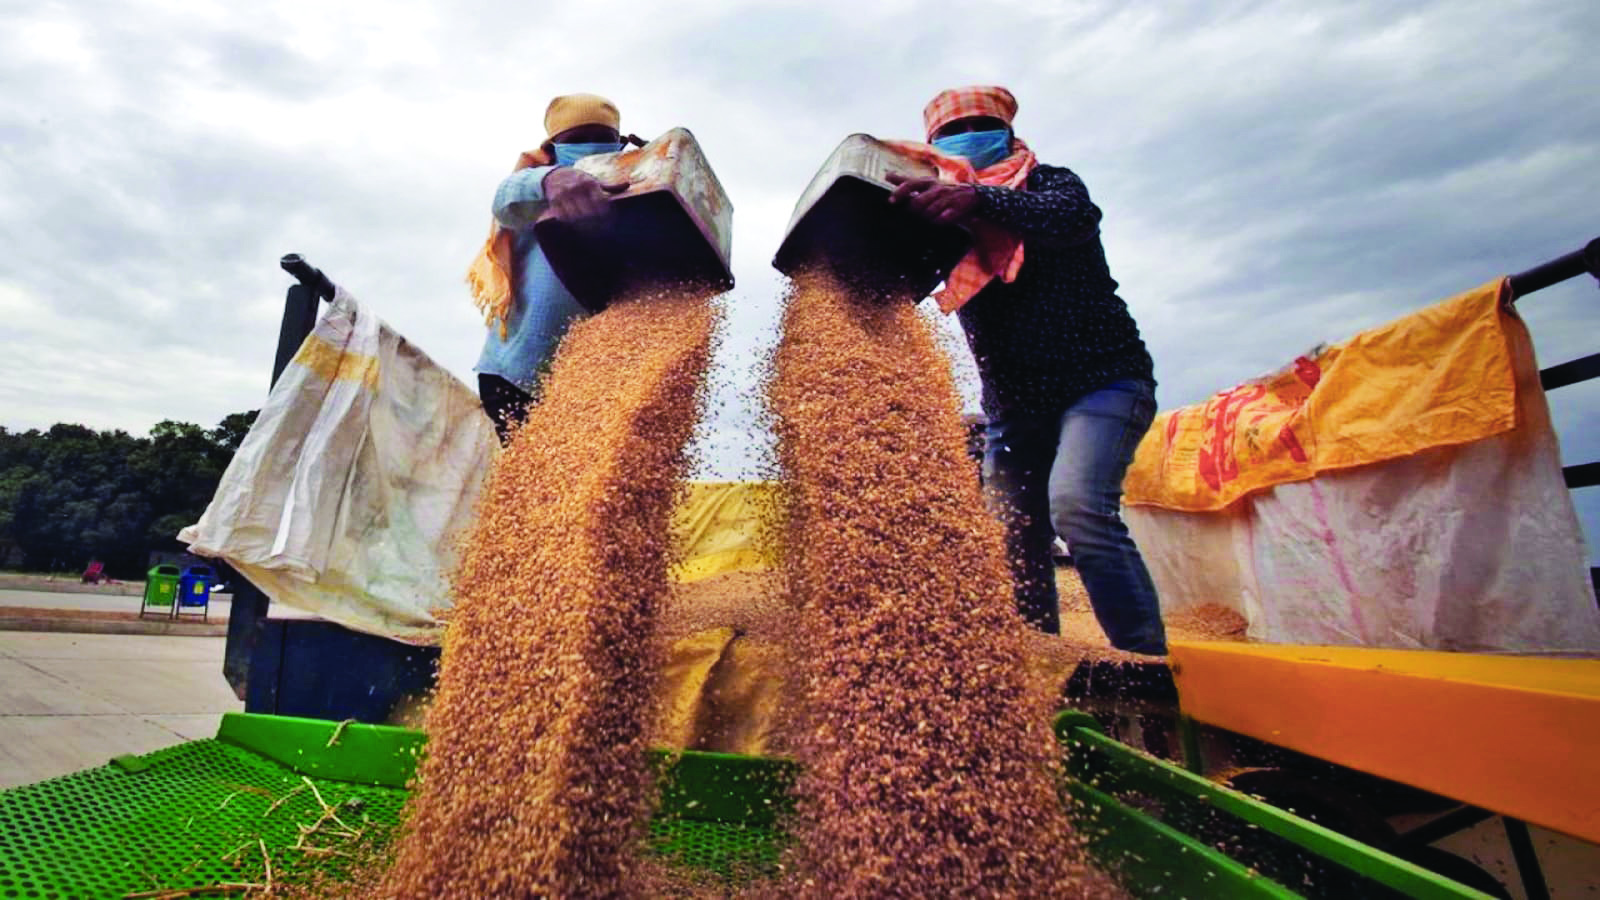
(1516, 735)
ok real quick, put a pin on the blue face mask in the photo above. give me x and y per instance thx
(567, 154)
(981, 148)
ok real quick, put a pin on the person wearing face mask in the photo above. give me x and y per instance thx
(525, 306)
(1068, 386)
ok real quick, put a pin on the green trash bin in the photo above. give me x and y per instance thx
(160, 590)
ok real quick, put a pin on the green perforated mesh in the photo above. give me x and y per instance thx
(168, 820)
(731, 852)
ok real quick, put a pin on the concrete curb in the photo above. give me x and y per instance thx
(114, 626)
(64, 586)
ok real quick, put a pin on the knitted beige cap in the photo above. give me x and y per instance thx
(572, 110)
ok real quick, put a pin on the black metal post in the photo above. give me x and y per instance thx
(1450, 823)
(1572, 372)
(299, 317)
(1522, 849)
(1582, 475)
(248, 614)
(1557, 270)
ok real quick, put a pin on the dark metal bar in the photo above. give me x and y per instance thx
(1527, 858)
(247, 617)
(1450, 823)
(308, 275)
(1582, 475)
(1189, 739)
(299, 308)
(1572, 372)
(299, 317)
(1557, 270)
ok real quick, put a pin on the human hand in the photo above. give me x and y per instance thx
(934, 200)
(576, 196)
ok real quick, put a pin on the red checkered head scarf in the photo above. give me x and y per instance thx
(963, 103)
(995, 253)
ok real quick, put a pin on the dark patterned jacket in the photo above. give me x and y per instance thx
(1059, 331)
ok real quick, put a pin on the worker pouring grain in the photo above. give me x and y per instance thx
(526, 307)
(1068, 386)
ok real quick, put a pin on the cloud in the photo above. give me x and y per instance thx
(1273, 174)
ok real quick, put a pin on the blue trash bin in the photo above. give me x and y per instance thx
(194, 590)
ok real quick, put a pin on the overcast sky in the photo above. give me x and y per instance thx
(1272, 175)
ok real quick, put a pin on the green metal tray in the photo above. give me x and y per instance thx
(217, 811)
(168, 819)
(1155, 827)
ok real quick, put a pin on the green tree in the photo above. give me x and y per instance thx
(230, 432)
(71, 494)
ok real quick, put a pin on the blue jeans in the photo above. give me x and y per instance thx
(1062, 475)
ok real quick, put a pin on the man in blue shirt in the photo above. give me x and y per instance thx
(525, 306)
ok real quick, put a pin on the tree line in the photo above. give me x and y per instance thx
(71, 494)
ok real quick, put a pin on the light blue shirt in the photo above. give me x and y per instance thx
(543, 308)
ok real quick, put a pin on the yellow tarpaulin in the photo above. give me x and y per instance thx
(1402, 489)
(722, 688)
(1439, 377)
(723, 693)
(719, 528)
(690, 662)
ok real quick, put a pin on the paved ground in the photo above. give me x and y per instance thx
(71, 701)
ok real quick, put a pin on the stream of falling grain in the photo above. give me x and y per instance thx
(929, 766)
(535, 779)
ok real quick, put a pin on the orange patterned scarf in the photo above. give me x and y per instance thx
(995, 251)
(491, 274)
